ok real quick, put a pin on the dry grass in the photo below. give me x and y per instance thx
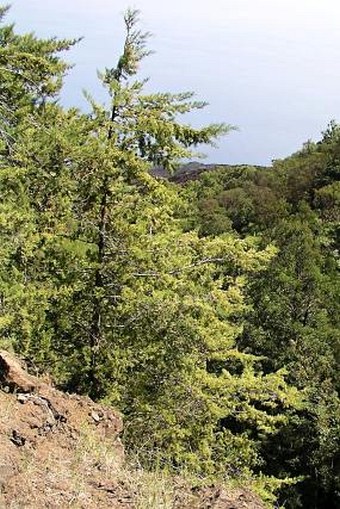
(146, 490)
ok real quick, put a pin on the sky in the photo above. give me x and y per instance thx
(269, 67)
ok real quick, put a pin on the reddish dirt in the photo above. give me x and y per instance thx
(50, 445)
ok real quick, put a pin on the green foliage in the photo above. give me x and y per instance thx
(220, 348)
(293, 313)
(242, 198)
(31, 72)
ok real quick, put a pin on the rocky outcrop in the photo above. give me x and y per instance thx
(45, 435)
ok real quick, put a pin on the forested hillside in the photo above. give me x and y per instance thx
(208, 314)
(292, 320)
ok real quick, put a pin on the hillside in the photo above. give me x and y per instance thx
(59, 450)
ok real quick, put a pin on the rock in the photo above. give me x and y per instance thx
(17, 439)
(13, 376)
(95, 416)
(22, 398)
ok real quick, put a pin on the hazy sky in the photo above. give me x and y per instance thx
(271, 67)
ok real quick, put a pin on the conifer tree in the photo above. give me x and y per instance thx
(101, 285)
